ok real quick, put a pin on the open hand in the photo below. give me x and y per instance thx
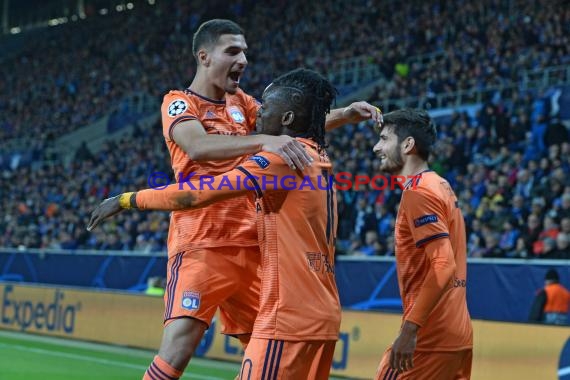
(360, 111)
(402, 355)
(106, 209)
(291, 150)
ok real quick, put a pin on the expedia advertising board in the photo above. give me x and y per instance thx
(502, 350)
(119, 318)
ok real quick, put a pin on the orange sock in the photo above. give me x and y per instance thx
(161, 370)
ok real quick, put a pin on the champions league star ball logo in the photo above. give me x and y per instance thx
(177, 107)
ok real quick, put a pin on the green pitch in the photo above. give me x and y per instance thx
(25, 357)
(29, 357)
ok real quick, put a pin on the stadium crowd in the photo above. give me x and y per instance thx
(66, 77)
(508, 161)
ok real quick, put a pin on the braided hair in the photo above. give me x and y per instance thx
(311, 96)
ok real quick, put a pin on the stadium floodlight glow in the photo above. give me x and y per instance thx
(119, 8)
(130, 6)
(15, 30)
(151, 2)
(103, 11)
(53, 22)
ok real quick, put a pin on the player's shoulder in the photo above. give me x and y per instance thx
(241, 97)
(423, 185)
(172, 94)
(266, 161)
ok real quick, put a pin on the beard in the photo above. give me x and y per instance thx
(392, 164)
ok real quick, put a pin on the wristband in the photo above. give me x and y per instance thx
(125, 200)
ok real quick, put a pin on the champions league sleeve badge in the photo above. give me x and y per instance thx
(177, 107)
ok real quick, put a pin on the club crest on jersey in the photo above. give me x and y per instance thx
(261, 161)
(236, 114)
(176, 107)
(315, 261)
(191, 300)
(426, 219)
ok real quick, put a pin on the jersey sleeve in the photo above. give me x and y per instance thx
(176, 108)
(268, 172)
(425, 216)
(195, 193)
(251, 106)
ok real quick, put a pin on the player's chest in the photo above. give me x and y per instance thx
(225, 120)
(402, 233)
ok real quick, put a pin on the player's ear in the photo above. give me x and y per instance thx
(408, 144)
(287, 118)
(203, 57)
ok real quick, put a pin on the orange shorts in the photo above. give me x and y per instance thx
(454, 365)
(200, 281)
(278, 359)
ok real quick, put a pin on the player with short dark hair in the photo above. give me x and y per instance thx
(298, 323)
(436, 337)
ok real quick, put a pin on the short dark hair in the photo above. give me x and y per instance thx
(311, 95)
(210, 31)
(552, 275)
(416, 123)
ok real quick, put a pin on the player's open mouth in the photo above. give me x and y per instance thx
(235, 76)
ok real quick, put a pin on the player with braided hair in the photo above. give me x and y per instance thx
(298, 324)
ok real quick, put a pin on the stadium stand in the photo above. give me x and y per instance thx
(495, 76)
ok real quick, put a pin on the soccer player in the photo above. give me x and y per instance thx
(298, 323)
(213, 252)
(436, 338)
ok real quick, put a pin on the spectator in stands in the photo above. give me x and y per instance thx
(371, 246)
(492, 247)
(519, 210)
(562, 250)
(524, 184)
(365, 219)
(565, 225)
(551, 303)
(564, 211)
(520, 250)
(510, 235)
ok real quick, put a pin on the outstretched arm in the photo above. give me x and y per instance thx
(178, 196)
(354, 113)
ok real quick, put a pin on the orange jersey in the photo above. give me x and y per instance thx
(429, 210)
(227, 223)
(296, 219)
(297, 231)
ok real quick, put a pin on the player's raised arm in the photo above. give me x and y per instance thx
(201, 146)
(354, 113)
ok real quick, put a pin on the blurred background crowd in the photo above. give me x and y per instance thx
(507, 156)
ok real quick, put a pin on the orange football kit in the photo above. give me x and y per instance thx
(429, 211)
